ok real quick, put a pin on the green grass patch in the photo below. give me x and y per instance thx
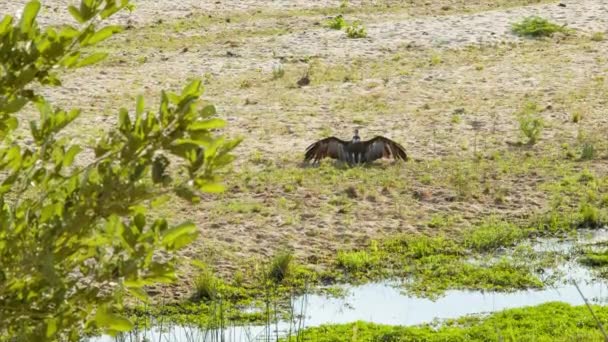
(356, 30)
(535, 26)
(483, 258)
(543, 323)
(337, 22)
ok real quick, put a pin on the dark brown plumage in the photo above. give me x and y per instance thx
(355, 151)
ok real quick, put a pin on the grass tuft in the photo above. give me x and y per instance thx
(530, 122)
(280, 267)
(537, 27)
(356, 30)
(206, 286)
(354, 262)
(337, 22)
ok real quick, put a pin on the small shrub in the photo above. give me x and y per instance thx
(530, 123)
(597, 36)
(537, 27)
(577, 116)
(206, 286)
(337, 22)
(587, 151)
(464, 181)
(280, 267)
(356, 30)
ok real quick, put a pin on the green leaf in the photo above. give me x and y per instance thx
(11, 123)
(140, 221)
(159, 201)
(68, 159)
(68, 32)
(70, 60)
(29, 15)
(192, 89)
(140, 105)
(207, 124)
(5, 25)
(105, 319)
(51, 327)
(76, 14)
(208, 111)
(13, 106)
(139, 293)
(172, 234)
(102, 34)
(91, 59)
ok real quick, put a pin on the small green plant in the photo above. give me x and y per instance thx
(436, 60)
(577, 116)
(358, 261)
(206, 285)
(278, 71)
(356, 30)
(245, 84)
(597, 36)
(530, 123)
(587, 151)
(464, 181)
(589, 216)
(537, 27)
(280, 267)
(344, 4)
(337, 22)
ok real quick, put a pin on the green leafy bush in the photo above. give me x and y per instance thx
(337, 22)
(76, 237)
(535, 26)
(356, 30)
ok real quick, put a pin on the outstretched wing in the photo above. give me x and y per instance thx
(381, 147)
(329, 147)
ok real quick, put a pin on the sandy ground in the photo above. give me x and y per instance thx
(480, 69)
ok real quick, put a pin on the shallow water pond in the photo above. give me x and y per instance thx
(386, 303)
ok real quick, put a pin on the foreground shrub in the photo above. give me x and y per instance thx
(76, 237)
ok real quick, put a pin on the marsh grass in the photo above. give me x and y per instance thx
(546, 322)
(357, 261)
(206, 285)
(280, 267)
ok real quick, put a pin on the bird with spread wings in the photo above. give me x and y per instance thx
(355, 151)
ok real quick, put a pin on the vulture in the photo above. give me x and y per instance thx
(355, 151)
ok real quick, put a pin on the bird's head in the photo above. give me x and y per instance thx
(356, 137)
